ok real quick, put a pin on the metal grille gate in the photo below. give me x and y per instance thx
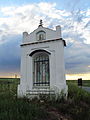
(41, 73)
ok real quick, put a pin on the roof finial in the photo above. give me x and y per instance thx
(41, 23)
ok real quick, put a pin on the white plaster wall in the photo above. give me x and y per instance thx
(22, 86)
(50, 34)
(56, 59)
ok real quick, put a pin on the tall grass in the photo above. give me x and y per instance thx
(78, 94)
(12, 108)
(76, 107)
(84, 82)
(79, 101)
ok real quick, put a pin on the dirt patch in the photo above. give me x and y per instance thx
(57, 115)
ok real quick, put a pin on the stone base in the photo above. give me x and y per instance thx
(61, 91)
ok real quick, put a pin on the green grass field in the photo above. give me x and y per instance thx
(76, 107)
(17, 81)
(84, 82)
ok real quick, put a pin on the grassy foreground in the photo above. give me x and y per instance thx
(76, 107)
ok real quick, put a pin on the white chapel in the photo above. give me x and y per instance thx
(42, 63)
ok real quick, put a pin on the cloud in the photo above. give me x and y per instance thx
(75, 30)
(10, 54)
(77, 58)
(25, 18)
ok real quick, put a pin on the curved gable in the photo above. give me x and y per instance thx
(42, 33)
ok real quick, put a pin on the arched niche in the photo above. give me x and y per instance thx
(41, 69)
(41, 35)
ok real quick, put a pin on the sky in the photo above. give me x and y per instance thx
(17, 16)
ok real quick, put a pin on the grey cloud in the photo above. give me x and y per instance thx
(5, 26)
(78, 16)
(10, 54)
(77, 58)
(87, 24)
(1, 31)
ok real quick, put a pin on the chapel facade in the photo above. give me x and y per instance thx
(42, 63)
